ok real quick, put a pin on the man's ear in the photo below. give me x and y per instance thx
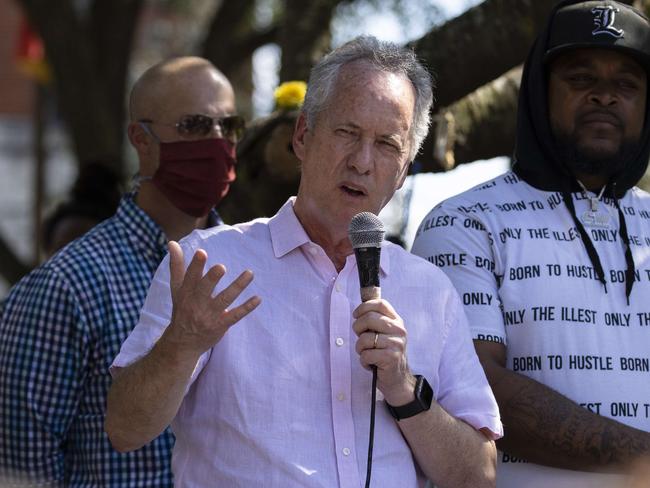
(139, 139)
(299, 134)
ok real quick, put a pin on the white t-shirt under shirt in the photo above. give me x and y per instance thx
(522, 271)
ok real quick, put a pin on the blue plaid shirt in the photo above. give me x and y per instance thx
(61, 327)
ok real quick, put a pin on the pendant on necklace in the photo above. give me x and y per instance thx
(594, 218)
(598, 220)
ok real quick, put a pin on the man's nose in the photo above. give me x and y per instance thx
(603, 93)
(362, 156)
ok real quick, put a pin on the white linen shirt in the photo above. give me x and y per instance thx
(282, 400)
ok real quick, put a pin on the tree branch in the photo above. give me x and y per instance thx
(112, 28)
(305, 36)
(485, 121)
(230, 24)
(480, 45)
(82, 92)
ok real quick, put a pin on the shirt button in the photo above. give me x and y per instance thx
(313, 251)
(341, 397)
(339, 341)
(346, 451)
(337, 287)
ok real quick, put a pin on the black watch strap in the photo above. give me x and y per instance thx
(423, 397)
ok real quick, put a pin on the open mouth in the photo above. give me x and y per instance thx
(355, 192)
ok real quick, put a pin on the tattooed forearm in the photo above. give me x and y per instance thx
(545, 427)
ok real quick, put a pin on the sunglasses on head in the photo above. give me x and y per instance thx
(230, 127)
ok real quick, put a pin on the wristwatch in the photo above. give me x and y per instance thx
(423, 397)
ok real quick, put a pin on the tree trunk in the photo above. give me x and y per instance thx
(304, 36)
(229, 44)
(113, 24)
(485, 121)
(231, 38)
(89, 56)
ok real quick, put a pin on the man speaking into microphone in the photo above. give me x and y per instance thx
(264, 374)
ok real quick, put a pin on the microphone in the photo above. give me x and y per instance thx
(366, 232)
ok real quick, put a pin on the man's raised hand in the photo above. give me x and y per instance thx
(199, 319)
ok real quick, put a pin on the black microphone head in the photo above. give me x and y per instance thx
(366, 230)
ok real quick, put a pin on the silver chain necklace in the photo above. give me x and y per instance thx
(593, 217)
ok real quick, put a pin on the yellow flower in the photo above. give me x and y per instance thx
(290, 95)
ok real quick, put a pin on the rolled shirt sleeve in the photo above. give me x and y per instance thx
(463, 389)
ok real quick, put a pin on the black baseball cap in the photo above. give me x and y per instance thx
(600, 24)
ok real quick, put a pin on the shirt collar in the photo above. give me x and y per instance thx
(143, 233)
(287, 234)
(214, 218)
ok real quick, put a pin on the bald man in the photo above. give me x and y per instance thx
(64, 323)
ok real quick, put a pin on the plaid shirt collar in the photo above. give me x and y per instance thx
(145, 235)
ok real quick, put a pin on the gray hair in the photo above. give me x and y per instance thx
(386, 56)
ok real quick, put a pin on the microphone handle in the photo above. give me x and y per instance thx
(370, 293)
(368, 267)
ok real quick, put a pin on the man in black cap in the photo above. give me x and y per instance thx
(552, 259)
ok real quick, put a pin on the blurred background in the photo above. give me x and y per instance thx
(66, 67)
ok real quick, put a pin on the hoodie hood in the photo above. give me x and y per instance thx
(536, 159)
(579, 24)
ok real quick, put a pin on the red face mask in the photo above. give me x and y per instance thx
(195, 175)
